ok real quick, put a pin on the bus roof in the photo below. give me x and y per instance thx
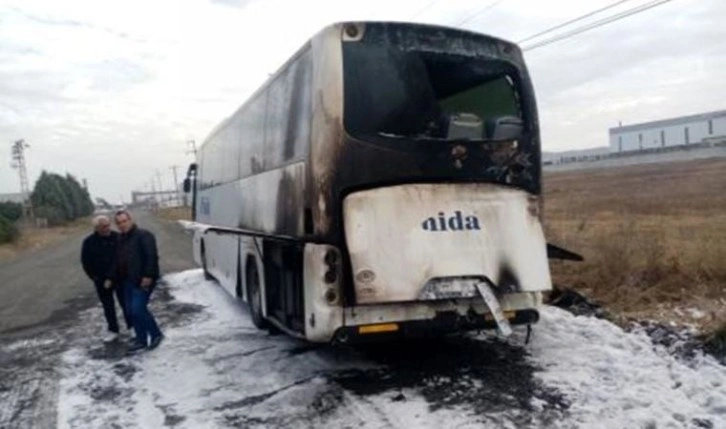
(337, 26)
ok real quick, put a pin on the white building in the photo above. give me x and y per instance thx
(685, 130)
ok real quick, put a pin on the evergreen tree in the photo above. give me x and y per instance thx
(60, 199)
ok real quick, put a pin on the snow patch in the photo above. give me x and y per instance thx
(620, 379)
(216, 370)
(28, 344)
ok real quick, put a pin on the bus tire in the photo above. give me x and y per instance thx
(254, 295)
(203, 255)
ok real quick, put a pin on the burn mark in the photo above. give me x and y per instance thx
(290, 205)
(507, 281)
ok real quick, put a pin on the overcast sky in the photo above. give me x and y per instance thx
(110, 91)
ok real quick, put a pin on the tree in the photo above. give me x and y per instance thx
(60, 199)
(11, 211)
(81, 200)
(49, 193)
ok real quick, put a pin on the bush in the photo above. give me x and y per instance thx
(8, 231)
(11, 211)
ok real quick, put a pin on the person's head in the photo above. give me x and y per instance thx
(102, 225)
(124, 222)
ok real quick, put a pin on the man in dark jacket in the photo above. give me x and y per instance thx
(97, 255)
(136, 271)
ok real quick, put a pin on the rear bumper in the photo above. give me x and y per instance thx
(443, 323)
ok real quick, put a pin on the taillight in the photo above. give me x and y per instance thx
(331, 261)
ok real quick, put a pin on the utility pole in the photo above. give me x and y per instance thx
(18, 156)
(158, 178)
(176, 183)
(193, 144)
(153, 193)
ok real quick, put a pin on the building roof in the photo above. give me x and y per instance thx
(681, 120)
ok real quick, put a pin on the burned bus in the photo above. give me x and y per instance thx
(384, 181)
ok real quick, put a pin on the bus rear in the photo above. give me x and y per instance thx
(435, 185)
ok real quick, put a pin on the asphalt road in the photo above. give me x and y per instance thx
(47, 287)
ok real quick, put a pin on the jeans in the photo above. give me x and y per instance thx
(137, 300)
(109, 306)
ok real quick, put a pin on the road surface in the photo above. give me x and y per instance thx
(42, 296)
(216, 370)
(47, 286)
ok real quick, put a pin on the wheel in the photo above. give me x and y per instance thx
(203, 254)
(254, 295)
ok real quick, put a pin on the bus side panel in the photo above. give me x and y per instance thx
(270, 202)
(221, 257)
(327, 134)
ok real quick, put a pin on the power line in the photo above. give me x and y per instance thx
(572, 21)
(478, 13)
(424, 9)
(596, 24)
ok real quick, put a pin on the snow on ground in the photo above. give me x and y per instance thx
(619, 379)
(216, 370)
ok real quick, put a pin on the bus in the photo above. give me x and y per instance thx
(384, 182)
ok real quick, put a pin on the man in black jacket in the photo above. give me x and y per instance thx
(97, 255)
(136, 271)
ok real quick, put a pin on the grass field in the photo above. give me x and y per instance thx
(653, 236)
(36, 238)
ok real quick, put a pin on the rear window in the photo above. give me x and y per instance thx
(390, 92)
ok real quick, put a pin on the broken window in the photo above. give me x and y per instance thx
(415, 94)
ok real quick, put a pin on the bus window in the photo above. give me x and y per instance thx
(411, 94)
(489, 99)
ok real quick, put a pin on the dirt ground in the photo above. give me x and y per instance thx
(653, 238)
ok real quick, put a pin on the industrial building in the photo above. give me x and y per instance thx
(676, 139)
(681, 131)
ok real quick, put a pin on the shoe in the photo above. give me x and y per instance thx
(136, 348)
(133, 340)
(155, 342)
(110, 337)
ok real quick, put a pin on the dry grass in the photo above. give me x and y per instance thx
(654, 238)
(36, 238)
(175, 213)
